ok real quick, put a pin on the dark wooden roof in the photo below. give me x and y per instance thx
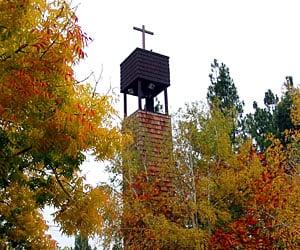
(148, 67)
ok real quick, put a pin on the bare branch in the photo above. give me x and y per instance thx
(97, 81)
(83, 80)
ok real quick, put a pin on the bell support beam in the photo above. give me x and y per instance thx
(140, 94)
(125, 104)
(166, 101)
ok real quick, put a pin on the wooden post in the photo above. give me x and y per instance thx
(125, 105)
(166, 101)
(140, 94)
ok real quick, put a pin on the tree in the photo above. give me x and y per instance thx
(273, 119)
(270, 219)
(223, 92)
(82, 243)
(262, 123)
(47, 121)
(221, 175)
(242, 199)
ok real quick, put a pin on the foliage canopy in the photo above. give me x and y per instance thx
(47, 121)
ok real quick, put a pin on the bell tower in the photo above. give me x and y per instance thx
(145, 74)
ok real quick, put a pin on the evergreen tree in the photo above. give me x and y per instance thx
(222, 89)
(223, 93)
(273, 119)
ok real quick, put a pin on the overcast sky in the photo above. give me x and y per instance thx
(258, 40)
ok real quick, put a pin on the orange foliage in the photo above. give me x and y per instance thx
(48, 120)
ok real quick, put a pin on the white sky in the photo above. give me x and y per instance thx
(258, 40)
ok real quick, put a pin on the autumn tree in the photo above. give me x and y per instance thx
(219, 174)
(270, 219)
(243, 199)
(47, 121)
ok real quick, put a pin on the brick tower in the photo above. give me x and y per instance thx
(145, 74)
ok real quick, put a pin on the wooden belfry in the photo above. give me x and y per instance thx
(145, 74)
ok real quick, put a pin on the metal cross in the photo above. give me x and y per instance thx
(143, 33)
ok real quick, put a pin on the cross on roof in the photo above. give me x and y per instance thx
(144, 31)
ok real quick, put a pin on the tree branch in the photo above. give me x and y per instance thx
(97, 81)
(83, 80)
(59, 183)
(4, 57)
(23, 151)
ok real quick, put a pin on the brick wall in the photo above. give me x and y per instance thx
(151, 185)
(153, 136)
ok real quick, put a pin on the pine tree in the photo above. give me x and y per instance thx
(222, 89)
(223, 93)
(273, 119)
